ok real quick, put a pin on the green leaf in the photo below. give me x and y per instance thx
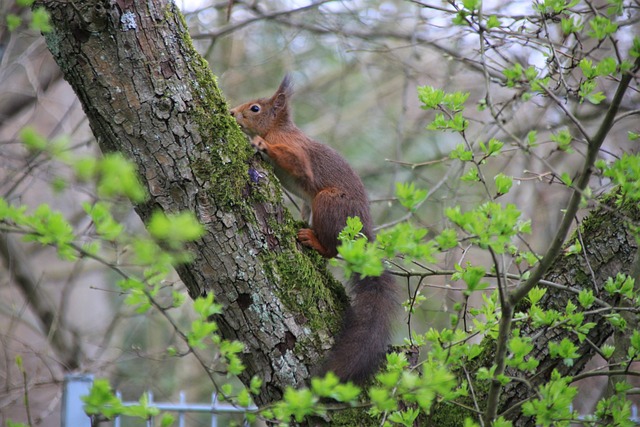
(106, 226)
(447, 239)
(607, 350)
(490, 224)
(85, 168)
(13, 21)
(175, 229)
(503, 183)
(586, 65)
(586, 298)
(167, 420)
(406, 417)
(520, 348)
(361, 257)
(492, 148)
(458, 123)
(352, 230)
(616, 7)
(472, 276)
(330, 387)
(553, 401)
(461, 153)
(596, 98)
(430, 97)
(635, 48)
(200, 331)
(566, 349)
(513, 75)
(382, 400)
(470, 176)
(404, 240)
(606, 66)
(409, 196)
(563, 139)
(622, 284)
(493, 22)
(601, 27)
(255, 385)
(32, 139)
(118, 177)
(625, 173)
(554, 6)
(205, 306)
(535, 295)
(40, 20)
(635, 341)
(576, 248)
(299, 403)
(244, 399)
(101, 400)
(471, 5)
(455, 100)
(570, 25)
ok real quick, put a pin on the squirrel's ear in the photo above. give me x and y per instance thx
(279, 101)
(284, 91)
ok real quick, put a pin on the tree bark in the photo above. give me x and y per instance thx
(148, 94)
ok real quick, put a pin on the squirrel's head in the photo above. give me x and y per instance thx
(260, 116)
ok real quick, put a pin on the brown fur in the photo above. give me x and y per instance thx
(333, 192)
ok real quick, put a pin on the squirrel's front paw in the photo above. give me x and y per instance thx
(307, 237)
(259, 144)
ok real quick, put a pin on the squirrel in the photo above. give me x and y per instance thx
(331, 191)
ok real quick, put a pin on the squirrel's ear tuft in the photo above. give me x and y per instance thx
(286, 87)
(284, 92)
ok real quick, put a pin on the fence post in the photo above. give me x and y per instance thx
(75, 386)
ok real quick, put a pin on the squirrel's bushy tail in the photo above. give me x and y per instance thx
(362, 345)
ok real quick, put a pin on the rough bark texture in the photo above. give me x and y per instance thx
(148, 94)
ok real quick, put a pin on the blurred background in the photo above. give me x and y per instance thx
(356, 66)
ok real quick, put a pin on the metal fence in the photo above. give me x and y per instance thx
(76, 386)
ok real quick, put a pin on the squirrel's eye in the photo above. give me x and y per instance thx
(255, 108)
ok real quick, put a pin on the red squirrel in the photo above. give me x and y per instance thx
(332, 191)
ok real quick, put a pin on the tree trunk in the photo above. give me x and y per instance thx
(150, 95)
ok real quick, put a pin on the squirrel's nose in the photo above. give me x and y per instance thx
(233, 113)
